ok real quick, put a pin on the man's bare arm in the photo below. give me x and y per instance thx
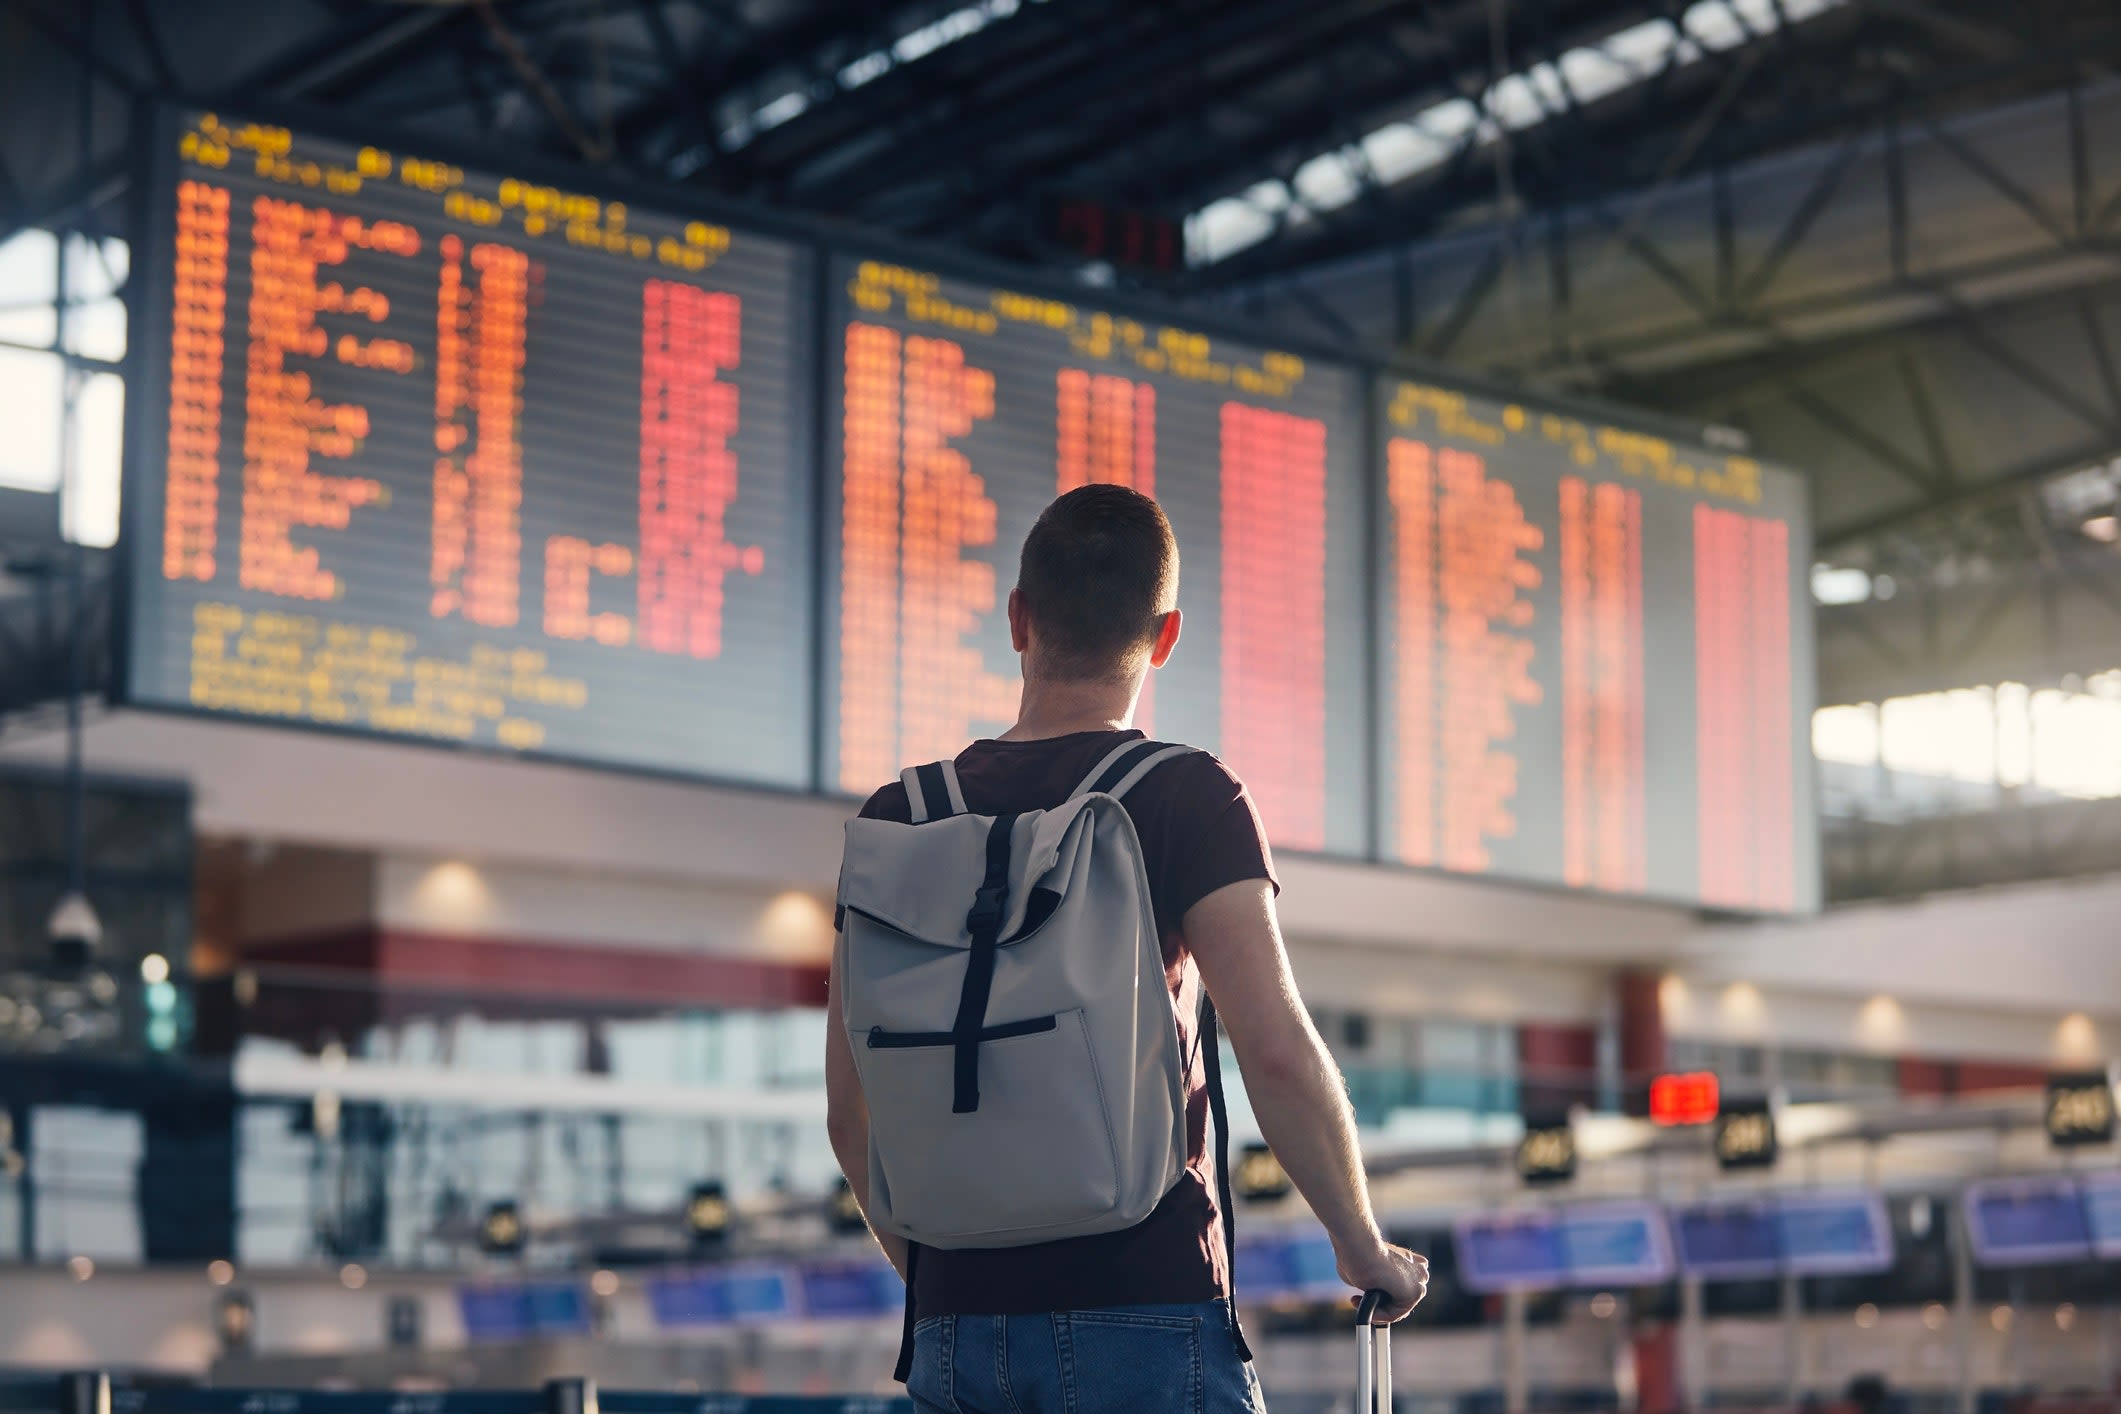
(1296, 1090)
(847, 1115)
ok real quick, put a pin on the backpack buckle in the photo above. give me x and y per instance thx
(987, 909)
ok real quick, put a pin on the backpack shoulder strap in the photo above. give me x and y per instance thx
(933, 792)
(1125, 765)
(1219, 1110)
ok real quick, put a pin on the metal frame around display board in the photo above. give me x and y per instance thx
(147, 403)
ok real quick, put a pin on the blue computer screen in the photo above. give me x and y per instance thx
(1834, 1234)
(2028, 1222)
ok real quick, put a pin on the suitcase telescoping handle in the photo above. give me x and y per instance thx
(1373, 1357)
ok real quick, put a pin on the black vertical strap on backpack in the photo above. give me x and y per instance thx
(989, 906)
(1212, 1053)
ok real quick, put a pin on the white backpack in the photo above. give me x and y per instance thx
(1003, 992)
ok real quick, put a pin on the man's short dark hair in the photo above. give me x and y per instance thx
(1099, 571)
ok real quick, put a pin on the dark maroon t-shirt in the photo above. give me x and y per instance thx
(1198, 833)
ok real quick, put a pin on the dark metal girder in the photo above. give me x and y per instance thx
(1971, 495)
(2015, 193)
(1189, 183)
(1706, 378)
(1926, 418)
(1858, 100)
(1824, 185)
(687, 99)
(534, 81)
(1657, 263)
(150, 37)
(1120, 80)
(375, 38)
(1853, 432)
(1469, 300)
(951, 88)
(1454, 67)
(2102, 356)
(1968, 326)
(10, 196)
(85, 193)
(1307, 300)
(80, 49)
(661, 127)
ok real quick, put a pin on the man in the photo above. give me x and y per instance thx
(1136, 1320)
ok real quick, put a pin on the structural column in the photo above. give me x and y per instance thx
(1642, 1038)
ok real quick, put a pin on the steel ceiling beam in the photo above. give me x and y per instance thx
(1448, 66)
(1119, 78)
(666, 126)
(374, 38)
(1992, 490)
(1853, 97)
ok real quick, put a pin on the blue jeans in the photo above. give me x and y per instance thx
(1126, 1360)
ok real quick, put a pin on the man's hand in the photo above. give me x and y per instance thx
(1402, 1275)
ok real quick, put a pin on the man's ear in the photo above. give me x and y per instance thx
(1019, 622)
(1166, 640)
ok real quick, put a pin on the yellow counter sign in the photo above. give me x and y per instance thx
(1547, 1154)
(2080, 1110)
(1745, 1134)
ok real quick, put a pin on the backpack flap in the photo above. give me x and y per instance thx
(920, 880)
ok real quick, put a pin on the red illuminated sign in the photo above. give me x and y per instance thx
(1684, 1099)
(1138, 240)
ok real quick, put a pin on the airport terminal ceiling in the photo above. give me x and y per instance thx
(1510, 172)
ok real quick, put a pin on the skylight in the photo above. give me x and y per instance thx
(914, 45)
(2063, 740)
(1513, 103)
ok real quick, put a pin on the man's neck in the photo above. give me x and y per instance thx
(1062, 708)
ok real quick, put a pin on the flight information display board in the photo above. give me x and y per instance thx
(1596, 657)
(963, 409)
(458, 456)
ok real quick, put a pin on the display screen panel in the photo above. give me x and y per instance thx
(1809, 1234)
(1834, 1234)
(2102, 1214)
(1616, 1244)
(457, 456)
(1290, 1264)
(1729, 1242)
(1510, 1252)
(1596, 651)
(2028, 1222)
(1604, 1244)
(734, 1295)
(524, 1312)
(851, 1290)
(962, 409)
